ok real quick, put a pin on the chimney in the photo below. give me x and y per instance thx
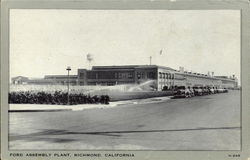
(212, 74)
(181, 69)
(208, 73)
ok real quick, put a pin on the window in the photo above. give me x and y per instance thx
(91, 75)
(130, 75)
(123, 75)
(151, 75)
(170, 76)
(110, 83)
(160, 74)
(120, 75)
(138, 75)
(142, 75)
(81, 75)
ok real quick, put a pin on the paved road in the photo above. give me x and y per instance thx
(200, 123)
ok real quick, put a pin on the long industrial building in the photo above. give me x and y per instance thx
(160, 77)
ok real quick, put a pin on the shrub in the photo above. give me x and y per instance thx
(58, 97)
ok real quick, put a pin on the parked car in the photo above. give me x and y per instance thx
(225, 90)
(197, 91)
(191, 91)
(205, 91)
(216, 90)
(220, 90)
(165, 88)
(211, 90)
(182, 92)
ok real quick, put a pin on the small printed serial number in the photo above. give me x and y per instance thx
(234, 155)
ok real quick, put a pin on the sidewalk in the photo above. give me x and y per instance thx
(53, 108)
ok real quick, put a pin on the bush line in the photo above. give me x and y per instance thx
(56, 98)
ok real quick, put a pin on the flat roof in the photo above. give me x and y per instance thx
(18, 77)
(129, 67)
(205, 76)
(48, 76)
(118, 67)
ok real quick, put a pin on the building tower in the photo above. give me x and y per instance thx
(89, 59)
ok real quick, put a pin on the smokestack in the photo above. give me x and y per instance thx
(208, 73)
(181, 69)
(212, 74)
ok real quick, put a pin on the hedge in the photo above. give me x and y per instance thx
(58, 97)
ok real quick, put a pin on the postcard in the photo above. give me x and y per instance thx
(125, 80)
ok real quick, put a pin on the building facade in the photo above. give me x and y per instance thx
(158, 77)
(114, 75)
(62, 79)
(47, 80)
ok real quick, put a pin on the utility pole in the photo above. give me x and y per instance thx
(68, 69)
(150, 59)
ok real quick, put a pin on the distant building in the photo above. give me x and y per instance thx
(47, 80)
(19, 80)
(62, 79)
(158, 76)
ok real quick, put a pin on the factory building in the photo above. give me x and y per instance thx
(47, 80)
(158, 77)
(62, 79)
(113, 75)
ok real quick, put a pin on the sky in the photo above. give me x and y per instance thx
(45, 42)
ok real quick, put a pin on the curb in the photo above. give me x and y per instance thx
(57, 108)
(40, 110)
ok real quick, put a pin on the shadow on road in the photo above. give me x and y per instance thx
(52, 132)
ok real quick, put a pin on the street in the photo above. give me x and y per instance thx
(209, 122)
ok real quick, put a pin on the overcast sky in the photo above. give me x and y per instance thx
(44, 42)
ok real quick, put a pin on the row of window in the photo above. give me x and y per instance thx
(82, 75)
(124, 75)
(109, 75)
(166, 75)
(127, 75)
(144, 75)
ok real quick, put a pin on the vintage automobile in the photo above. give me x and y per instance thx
(191, 91)
(211, 90)
(216, 90)
(182, 92)
(225, 90)
(205, 91)
(222, 90)
(197, 91)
